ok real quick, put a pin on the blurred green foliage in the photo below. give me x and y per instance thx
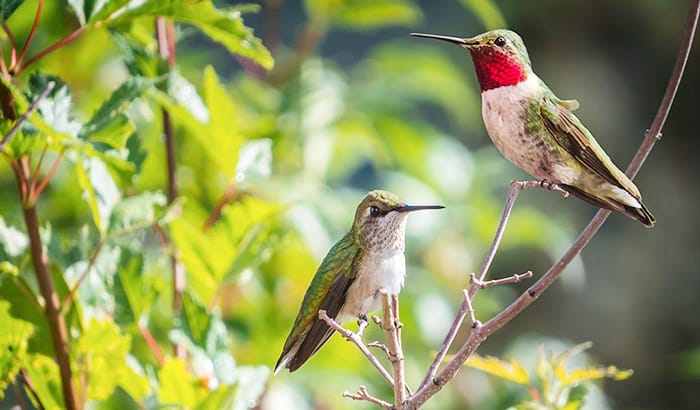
(288, 147)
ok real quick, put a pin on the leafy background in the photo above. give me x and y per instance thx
(351, 104)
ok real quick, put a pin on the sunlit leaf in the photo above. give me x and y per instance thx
(218, 135)
(254, 160)
(99, 189)
(14, 334)
(221, 25)
(104, 350)
(510, 370)
(103, 9)
(46, 381)
(594, 373)
(177, 385)
(240, 239)
(108, 124)
(136, 212)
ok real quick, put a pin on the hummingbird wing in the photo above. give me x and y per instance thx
(327, 291)
(572, 136)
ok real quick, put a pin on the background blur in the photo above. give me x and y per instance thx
(354, 104)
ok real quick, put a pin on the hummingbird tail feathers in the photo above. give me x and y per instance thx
(640, 213)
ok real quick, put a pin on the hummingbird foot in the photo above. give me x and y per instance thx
(551, 186)
(361, 324)
(544, 184)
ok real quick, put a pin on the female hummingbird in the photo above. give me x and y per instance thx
(368, 259)
(538, 132)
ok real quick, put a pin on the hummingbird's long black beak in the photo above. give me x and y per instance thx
(411, 208)
(460, 41)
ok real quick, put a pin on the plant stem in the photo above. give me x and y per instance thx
(50, 49)
(35, 24)
(165, 35)
(52, 308)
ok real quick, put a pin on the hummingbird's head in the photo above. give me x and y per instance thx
(380, 220)
(500, 57)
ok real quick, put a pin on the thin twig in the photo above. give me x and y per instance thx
(68, 300)
(37, 190)
(515, 188)
(354, 338)
(496, 282)
(470, 309)
(363, 395)
(32, 31)
(152, 344)
(480, 333)
(50, 49)
(30, 386)
(380, 346)
(11, 133)
(225, 199)
(392, 328)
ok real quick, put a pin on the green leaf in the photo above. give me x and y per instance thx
(14, 334)
(254, 160)
(99, 189)
(56, 108)
(240, 239)
(108, 124)
(510, 370)
(104, 9)
(7, 7)
(214, 128)
(43, 372)
(105, 349)
(136, 212)
(487, 12)
(25, 305)
(133, 294)
(221, 25)
(177, 386)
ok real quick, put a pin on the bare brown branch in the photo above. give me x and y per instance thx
(354, 338)
(392, 328)
(496, 282)
(363, 395)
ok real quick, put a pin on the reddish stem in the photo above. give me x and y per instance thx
(52, 309)
(35, 24)
(215, 214)
(50, 49)
(152, 344)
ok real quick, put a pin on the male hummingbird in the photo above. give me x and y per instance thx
(347, 285)
(538, 132)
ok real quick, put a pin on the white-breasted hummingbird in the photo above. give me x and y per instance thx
(538, 132)
(347, 285)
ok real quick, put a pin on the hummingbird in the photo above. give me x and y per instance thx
(347, 285)
(538, 132)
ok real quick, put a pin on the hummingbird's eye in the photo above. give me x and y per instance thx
(374, 211)
(500, 41)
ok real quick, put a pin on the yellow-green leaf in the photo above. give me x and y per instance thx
(510, 370)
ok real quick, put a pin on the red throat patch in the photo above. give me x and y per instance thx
(496, 69)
